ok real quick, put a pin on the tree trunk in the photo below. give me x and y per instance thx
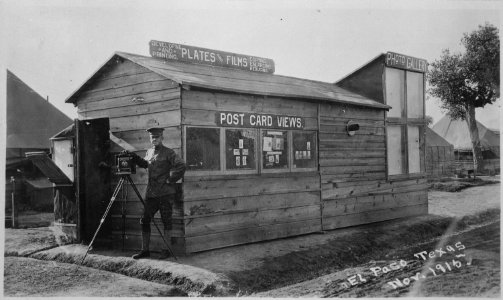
(478, 160)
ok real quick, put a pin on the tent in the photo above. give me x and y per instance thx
(31, 119)
(31, 122)
(456, 132)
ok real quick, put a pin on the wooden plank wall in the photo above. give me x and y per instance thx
(491, 166)
(355, 189)
(439, 161)
(367, 81)
(227, 210)
(111, 95)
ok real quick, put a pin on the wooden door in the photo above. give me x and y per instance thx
(93, 175)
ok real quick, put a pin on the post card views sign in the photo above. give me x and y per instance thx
(237, 119)
(190, 54)
(406, 62)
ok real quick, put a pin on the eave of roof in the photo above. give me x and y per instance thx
(238, 81)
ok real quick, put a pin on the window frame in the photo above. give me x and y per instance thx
(258, 152)
(223, 158)
(184, 144)
(316, 160)
(406, 122)
(289, 158)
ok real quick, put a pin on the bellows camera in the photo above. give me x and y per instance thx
(125, 164)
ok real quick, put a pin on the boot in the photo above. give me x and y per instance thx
(145, 252)
(165, 252)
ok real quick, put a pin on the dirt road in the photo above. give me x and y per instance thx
(470, 267)
(479, 274)
(466, 202)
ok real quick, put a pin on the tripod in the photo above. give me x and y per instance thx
(120, 185)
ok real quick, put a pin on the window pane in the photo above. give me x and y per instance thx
(396, 150)
(304, 149)
(414, 95)
(240, 148)
(414, 159)
(203, 148)
(274, 149)
(395, 85)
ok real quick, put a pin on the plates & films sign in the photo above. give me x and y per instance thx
(197, 55)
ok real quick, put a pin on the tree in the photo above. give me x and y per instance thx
(465, 81)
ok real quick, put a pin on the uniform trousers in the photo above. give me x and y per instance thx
(154, 204)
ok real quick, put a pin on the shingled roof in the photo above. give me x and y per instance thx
(31, 119)
(224, 79)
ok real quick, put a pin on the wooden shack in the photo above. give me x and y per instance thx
(439, 156)
(268, 156)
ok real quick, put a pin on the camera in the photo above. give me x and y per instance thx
(125, 164)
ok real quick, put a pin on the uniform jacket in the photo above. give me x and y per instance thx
(161, 163)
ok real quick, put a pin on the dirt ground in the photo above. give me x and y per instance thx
(459, 184)
(317, 264)
(476, 274)
(467, 202)
(29, 277)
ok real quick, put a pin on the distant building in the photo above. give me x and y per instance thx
(457, 133)
(31, 122)
(439, 155)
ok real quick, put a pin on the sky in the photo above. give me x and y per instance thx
(54, 46)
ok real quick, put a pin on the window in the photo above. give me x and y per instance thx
(396, 150)
(304, 149)
(395, 92)
(414, 149)
(203, 148)
(415, 92)
(274, 149)
(227, 150)
(405, 121)
(240, 149)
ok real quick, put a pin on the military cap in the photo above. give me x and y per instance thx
(155, 131)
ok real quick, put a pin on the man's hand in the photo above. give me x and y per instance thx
(126, 152)
(132, 154)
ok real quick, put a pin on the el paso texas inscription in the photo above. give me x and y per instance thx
(190, 54)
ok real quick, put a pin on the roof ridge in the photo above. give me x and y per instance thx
(239, 81)
(238, 70)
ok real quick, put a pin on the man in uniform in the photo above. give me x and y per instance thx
(165, 168)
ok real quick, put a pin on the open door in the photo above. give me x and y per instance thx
(93, 175)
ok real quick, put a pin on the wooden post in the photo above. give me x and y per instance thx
(13, 199)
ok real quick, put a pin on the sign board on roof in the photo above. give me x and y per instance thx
(190, 54)
(405, 62)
